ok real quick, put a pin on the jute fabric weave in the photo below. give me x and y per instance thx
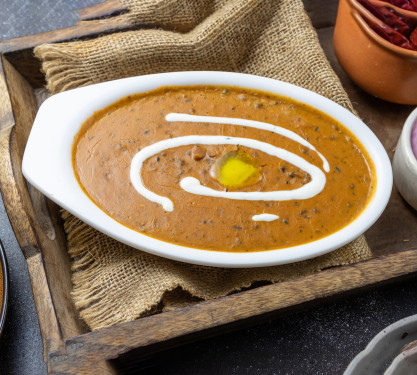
(274, 38)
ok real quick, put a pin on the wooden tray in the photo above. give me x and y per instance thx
(69, 347)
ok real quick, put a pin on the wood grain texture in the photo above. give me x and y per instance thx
(107, 343)
(106, 8)
(13, 200)
(41, 227)
(6, 111)
(19, 217)
(28, 66)
(50, 328)
(69, 348)
(46, 315)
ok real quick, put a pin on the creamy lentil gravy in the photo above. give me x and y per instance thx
(257, 172)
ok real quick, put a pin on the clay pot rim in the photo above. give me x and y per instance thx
(402, 12)
(359, 13)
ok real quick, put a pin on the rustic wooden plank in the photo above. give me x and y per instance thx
(41, 226)
(24, 106)
(49, 325)
(13, 202)
(44, 307)
(6, 111)
(28, 66)
(108, 343)
(123, 20)
(106, 8)
(20, 219)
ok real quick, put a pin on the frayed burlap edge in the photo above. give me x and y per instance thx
(104, 269)
(114, 283)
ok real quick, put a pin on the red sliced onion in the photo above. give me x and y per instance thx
(414, 139)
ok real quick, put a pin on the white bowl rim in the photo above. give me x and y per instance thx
(44, 171)
(406, 137)
(389, 334)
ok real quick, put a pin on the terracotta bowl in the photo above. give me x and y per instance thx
(378, 66)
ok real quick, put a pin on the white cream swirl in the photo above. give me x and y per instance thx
(192, 185)
(265, 217)
(183, 117)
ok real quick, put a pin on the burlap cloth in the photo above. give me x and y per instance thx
(274, 38)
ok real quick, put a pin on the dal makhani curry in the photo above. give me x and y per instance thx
(223, 168)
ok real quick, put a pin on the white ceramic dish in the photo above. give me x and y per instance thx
(385, 353)
(47, 164)
(405, 163)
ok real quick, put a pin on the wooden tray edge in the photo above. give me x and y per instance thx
(85, 350)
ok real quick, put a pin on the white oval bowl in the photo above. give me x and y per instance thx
(47, 164)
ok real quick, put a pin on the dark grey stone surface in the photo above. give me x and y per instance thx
(26, 17)
(322, 340)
